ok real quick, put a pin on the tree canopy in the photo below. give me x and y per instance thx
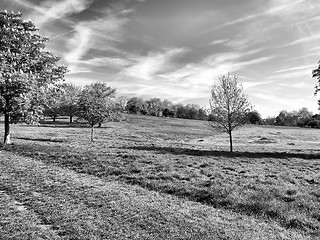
(97, 103)
(26, 69)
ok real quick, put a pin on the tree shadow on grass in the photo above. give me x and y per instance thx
(218, 153)
(59, 124)
(41, 139)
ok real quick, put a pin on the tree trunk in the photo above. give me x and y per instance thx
(71, 114)
(92, 134)
(7, 139)
(54, 119)
(230, 138)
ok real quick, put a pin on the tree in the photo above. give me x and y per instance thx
(286, 118)
(254, 117)
(316, 74)
(180, 111)
(154, 107)
(229, 105)
(136, 105)
(53, 102)
(25, 69)
(167, 108)
(192, 111)
(122, 103)
(202, 114)
(97, 104)
(69, 101)
(269, 121)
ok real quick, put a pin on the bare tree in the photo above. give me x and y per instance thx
(229, 105)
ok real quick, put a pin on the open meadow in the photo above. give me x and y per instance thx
(159, 178)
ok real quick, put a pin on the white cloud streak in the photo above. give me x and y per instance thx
(53, 10)
(100, 35)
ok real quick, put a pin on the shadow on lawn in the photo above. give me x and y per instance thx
(41, 139)
(59, 124)
(216, 153)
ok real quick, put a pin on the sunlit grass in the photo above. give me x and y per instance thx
(275, 180)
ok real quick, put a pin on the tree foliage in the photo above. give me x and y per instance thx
(165, 108)
(53, 102)
(229, 105)
(293, 118)
(69, 100)
(26, 69)
(316, 75)
(97, 104)
(254, 117)
(136, 105)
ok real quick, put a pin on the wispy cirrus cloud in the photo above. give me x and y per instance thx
(220, 41)
(290, 75)
(97, 34)
(146, 67)
(53, 10)
(307, 39)
(295, 68)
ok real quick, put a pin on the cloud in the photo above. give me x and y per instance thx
(275, 8)
(307, 39)
(203, 74)
(221, 41)
(99, 35)
(295, 68)
(146, 67)
(294, 74)
(52, 10)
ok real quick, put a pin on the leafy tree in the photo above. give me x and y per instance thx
(180, 111)
(269, 121)
(286, 118)
(25, 69)
(122, 103)
(229, 105)
(304, 113)
(202, 114)
(53, 102)
(167, 104)
(69, 101)
(254, 117)
(136, 105)
(316, 74)
(154, 107)
(192, 111)
(97, 104)
(167, 108)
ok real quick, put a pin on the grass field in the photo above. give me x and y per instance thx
(159, 178)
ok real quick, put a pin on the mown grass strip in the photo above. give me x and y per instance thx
(78, 206)
(254, 199)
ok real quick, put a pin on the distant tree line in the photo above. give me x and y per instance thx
(301, 118)
(165, 108)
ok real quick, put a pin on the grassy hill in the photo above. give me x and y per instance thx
(159, 178)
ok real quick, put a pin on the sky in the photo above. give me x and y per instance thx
(177, 49)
